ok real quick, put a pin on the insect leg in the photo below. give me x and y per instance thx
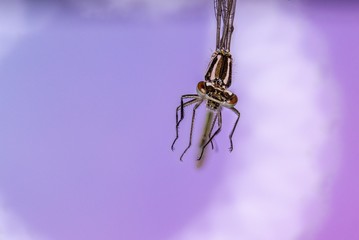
(181, 108)
(190, 135)
(183, 105)
(234, 127)
(215, 134)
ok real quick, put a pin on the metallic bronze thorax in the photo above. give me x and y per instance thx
(219, 70)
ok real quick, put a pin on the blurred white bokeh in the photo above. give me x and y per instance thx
(12, 228)
(154, 8)
(12, 25)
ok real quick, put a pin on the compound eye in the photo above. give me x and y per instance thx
(232, 100)
(201, 88)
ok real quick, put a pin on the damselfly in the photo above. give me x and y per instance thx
(218, 78)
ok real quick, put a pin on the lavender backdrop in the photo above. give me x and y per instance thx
(88, 92)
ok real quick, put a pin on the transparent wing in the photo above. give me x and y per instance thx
(225, 11)
(218, 14)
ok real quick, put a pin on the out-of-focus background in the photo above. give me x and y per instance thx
(88, 91)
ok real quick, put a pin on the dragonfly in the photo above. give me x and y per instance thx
(214, 89)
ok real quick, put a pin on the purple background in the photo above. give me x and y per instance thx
(87, 120)
(338, 23)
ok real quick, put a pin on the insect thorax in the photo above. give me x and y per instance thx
(212, 105)
(219, 70)
(217, 79)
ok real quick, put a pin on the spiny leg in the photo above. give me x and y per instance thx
(191, 132)
(215, 134)
(181, 107)
(234, 127)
